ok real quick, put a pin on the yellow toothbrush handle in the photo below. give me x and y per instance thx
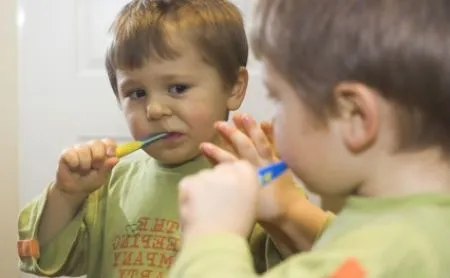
(127, 148)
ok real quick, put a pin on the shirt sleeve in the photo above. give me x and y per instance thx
(64, 255)
(363, 253)
(264, 252)
(328, 221)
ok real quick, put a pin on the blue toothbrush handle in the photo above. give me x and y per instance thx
(270, 172)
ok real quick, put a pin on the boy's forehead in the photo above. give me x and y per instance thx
(172, 44)
(189, 61)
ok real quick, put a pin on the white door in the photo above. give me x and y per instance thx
(65, 95)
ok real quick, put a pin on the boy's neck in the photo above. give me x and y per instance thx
(171, 166)
(215, 140)
(404, 174)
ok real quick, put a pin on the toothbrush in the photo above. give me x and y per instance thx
(270, 172)
(130, 147)
(266, 174)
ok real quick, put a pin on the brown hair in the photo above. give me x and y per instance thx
(144, 29)
(401, 48)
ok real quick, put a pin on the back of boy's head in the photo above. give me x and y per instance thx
(159, 29)
(400, 48)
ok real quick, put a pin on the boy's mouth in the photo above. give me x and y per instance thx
(173, 135)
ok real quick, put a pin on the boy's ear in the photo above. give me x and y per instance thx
(357, 108)
(239, 89)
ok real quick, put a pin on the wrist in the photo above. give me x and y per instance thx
(74, 200)
(302, 220)
(288, 198)
(305, 216)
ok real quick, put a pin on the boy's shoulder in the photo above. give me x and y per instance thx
(409, 242)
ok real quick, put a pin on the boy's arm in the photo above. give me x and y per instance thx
(299, 228)
(297, 231)
(299, 223)
(223, 256)
(357, 254)
(58, 227)
(59, 210)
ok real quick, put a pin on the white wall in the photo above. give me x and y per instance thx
(9, 132)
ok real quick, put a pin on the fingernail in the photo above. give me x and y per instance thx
(247, 120)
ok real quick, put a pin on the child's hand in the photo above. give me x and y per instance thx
(219, 200)
(245, 139)
(83, 169)
(252, 142)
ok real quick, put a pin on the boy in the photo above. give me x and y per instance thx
(363, 90)
(175, 66)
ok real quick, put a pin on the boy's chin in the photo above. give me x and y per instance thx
(171, 159)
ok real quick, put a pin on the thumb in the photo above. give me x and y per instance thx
(109, 164)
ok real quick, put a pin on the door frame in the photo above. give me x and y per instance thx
(9, 121)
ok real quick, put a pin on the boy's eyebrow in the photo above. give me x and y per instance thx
(126, 82)
(173, 76)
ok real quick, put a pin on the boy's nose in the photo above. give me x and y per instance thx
(157, 110)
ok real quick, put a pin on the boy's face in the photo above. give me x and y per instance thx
(313, 150)
(184, 96)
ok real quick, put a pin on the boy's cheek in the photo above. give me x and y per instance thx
(279, 135)
(138, 126)
(203, 120)
(286, 140)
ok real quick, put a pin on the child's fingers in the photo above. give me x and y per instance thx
(211, 160)
(242, 144)
(109, 163)
(267, 128)
(98, 153)
(69, 157)
(258, 137)
(238, 122)
(110, 147)
(225, 140)
(84, 157)
(215, 154)
(225, 143)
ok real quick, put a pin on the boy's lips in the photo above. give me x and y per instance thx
(171, 134)
(171, 138)
(174, 135)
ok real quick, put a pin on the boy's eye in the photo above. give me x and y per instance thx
(178, 89)
(137, 94)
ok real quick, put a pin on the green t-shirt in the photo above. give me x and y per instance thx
(404, 237)
(129, 228)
